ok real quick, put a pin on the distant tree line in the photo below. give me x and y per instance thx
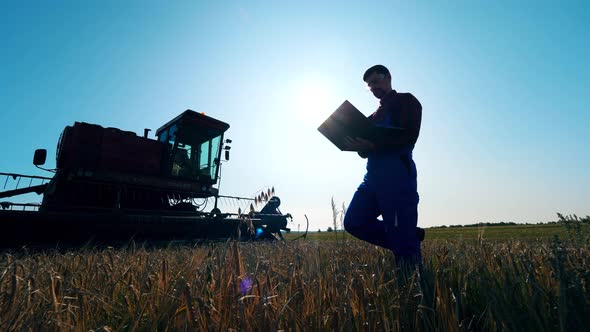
(567, 220)
(481, 224)
(570, 221)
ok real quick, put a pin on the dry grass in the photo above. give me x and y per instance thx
(298, 286)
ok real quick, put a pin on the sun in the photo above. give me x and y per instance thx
(314, 102)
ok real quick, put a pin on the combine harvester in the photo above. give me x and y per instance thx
(112, 186)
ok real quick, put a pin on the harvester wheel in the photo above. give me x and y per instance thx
(216, 213)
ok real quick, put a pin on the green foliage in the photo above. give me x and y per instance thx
(576, 227)
(499, 233)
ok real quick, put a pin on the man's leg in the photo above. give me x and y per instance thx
(400, 220)
(361, 218)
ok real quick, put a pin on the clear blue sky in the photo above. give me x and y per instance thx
(504, 87)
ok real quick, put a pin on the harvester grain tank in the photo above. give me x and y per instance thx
(113, 185)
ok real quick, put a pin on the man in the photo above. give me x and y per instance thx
(389, 187)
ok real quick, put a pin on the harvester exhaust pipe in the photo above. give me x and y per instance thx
(145, 132)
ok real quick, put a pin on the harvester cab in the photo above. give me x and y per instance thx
(194, 142)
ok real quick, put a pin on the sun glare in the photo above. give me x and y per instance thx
(314, 103)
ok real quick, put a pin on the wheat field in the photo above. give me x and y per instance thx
(299, 286)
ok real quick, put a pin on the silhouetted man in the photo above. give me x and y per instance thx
(389, 187)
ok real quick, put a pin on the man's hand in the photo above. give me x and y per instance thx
(358, 144)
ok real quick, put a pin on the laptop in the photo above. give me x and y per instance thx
(348, 121)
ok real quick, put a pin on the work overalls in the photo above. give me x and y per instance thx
(389, 189)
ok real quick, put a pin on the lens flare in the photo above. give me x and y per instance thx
(245, 285)
(258, 232)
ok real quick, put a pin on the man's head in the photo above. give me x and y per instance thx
(378, 80)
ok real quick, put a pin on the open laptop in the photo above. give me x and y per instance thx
(348, 121)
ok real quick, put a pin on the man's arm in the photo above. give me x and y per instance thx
(360, 145)
(410, 118)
